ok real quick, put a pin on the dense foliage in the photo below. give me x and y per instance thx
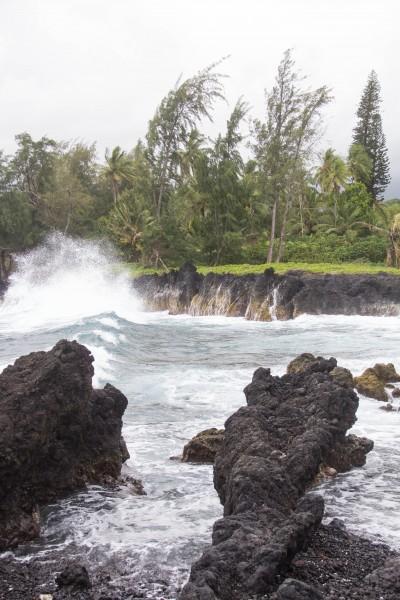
(257, 192)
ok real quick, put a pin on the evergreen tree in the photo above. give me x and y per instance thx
(368, 133)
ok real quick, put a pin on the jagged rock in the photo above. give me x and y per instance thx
(309, 362)
(396, 392)
(386, 373)
(252, 296)
(343, 376)
(272, 451)
(368, 384)
(203, 447)
(300, 363)
(292, 589)
(57, 434)
(75, 577)
(372, 382)
(352, 452)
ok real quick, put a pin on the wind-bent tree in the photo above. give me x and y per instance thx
(169, 130)
(331, 177)
(368, 133)
(285, 141)
(118, 169)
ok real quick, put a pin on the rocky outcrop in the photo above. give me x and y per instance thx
(272, 452)
(270, 296)
(57, 434)
(203, 447)
(372, 382)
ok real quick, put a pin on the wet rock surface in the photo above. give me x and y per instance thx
(372, 381)
(203, 447)
(272, 452)
(268, 295)
(270, 544)
(57, 434)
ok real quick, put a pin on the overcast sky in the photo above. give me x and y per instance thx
(95, 70)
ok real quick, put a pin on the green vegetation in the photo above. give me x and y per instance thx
(246, 269)
(256, 193)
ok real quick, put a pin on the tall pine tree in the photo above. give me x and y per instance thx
(368, 133)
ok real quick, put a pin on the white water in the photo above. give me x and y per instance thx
(181, 375)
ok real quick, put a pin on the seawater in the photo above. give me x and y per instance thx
(181, 374)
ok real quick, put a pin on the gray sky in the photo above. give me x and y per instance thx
(96, 69)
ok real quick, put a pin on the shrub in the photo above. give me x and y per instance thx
(336, 249)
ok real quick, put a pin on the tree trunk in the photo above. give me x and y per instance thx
(391, 253)
(283, 232)
(115, 192)
(301, 214)
(272, 234)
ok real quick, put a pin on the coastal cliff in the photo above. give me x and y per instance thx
(270, 296)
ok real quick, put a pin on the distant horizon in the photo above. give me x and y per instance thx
(92, 72)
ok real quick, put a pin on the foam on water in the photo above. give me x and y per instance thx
(181, 374)
(63, 281)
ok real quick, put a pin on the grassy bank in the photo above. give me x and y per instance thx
(347, 268)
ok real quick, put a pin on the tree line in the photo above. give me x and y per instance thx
(258, 192)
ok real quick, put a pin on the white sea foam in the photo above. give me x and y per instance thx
(62, 281)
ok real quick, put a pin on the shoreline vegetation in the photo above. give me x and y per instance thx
(136, 270)
(263, 190)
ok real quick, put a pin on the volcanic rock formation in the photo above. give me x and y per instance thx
(372, 382)
(273, 450)
(270, 296)
(57, 434)
(203, 447)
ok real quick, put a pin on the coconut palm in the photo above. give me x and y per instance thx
(118, 168)
(359, 164)
(188, 155)
(332, 176)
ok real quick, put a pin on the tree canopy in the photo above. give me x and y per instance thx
(263, 189)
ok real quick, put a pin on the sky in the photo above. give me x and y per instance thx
(95, 70)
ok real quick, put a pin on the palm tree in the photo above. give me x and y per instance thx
(188, 156)
(359, 164)
(127, 223)
(332, 176)
(391, 230)
(118, 168)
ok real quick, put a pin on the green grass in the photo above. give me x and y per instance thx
(347, 268)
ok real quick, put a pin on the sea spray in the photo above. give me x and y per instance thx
(65, 280)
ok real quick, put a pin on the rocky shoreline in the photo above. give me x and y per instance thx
(270, 296)
(270, 543)
(58, 434)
